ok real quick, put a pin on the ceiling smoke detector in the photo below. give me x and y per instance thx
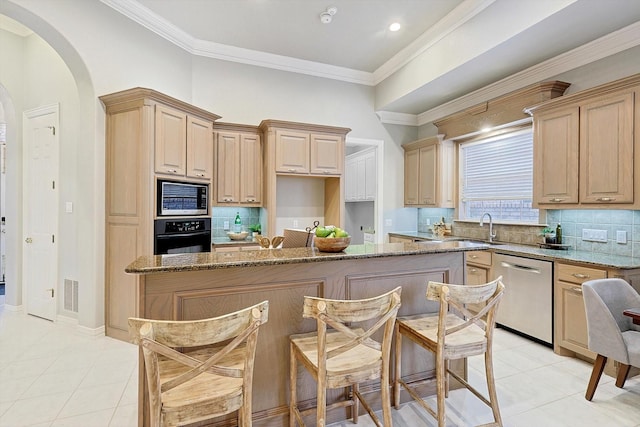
(327, 15)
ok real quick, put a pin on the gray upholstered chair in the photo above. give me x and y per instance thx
(611, 333)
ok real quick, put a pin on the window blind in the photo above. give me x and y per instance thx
(498, 169)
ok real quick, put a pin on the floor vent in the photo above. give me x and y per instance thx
(71, 295)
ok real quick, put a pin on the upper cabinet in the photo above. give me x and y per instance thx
(360, 176)
(183, 144)
(238, 165)
(429, 173)
(305, 156)
(308, 152)
(584, 148)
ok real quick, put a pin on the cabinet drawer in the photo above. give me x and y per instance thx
(479, 257)
(578, 274)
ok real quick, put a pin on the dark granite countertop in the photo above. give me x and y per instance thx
(259, 257)
(571, 255)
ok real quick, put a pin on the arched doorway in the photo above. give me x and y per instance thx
(83, 228)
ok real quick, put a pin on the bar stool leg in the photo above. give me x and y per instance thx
(398, 369)
(293, 380)
(491, 386)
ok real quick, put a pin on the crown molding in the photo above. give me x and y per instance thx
(452, 21)
(393, 118)
(608, 45)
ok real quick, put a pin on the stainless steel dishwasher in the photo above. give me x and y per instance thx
(527, 304)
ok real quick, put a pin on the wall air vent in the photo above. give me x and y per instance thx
(71, 295)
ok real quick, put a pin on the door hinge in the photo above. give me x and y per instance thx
(53, 185)
(53, 238)
(53, 129)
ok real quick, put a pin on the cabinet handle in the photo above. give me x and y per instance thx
(606, 199)
(200, 175)
(326, 171)
(576, 290)
(473, 270)
(251, 200)
(292, 170)
(473, 256)
(580, 276)
(555, 199)
(172, 171)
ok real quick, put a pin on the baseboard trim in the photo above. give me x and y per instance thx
(83, 330)
(13, 308)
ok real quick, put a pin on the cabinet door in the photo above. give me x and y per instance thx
(427, 176)
(360, 178)
(606, 150)
(199, 148)
(477, 275)
(170, 142)
(292, 152)
(350, 179)
(411, 167)
(327, 154)
(250, 170)
(571, 319)
(370, 176)
(556, 157)
(228, 162)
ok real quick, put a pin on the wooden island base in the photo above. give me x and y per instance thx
(189, 295)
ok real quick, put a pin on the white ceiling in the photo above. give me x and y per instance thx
(358, 47)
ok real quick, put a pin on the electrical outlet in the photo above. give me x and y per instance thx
(621, 236)
(226, 226)
(592, 235)
(428, 221)
(295, 223)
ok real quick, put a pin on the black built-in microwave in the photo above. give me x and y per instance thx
(182, 198)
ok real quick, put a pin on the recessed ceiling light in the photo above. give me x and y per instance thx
(394, 27)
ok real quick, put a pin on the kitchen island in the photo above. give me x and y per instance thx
(201, 285)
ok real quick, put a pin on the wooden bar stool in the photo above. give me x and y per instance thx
(187, 386)
(345, 355)
(451, 336)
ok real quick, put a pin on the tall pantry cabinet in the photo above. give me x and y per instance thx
(149, 136)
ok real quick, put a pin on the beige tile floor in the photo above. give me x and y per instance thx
(51, 375)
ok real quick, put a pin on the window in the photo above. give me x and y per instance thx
(496, 176)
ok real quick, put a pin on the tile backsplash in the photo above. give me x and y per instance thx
(220, 215)
(573, 221)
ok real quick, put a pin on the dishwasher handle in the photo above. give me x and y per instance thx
(520, 267)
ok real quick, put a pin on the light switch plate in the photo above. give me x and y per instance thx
(226, 225)
(621, 236)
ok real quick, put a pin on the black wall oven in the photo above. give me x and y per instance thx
(182, 235)
(182, 198)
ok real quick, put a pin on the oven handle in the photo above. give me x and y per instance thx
(520, 267)
(169, 236)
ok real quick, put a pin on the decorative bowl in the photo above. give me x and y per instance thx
(237, 236)
(331, 244)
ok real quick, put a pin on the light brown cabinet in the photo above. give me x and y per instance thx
(238, 165)
(146, 130)
(569, 312)
(478, 267)
(429, 173)
(308, 153)
(313, 157)
(183, 144)
(584, 152)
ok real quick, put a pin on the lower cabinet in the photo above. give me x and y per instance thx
(477, 272)
(570, 317)
(478, 267)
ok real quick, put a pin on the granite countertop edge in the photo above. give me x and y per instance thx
(596, 259)
(264, 257)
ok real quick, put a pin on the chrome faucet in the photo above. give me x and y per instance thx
(492, 235)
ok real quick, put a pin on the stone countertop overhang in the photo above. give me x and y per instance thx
(260, 257)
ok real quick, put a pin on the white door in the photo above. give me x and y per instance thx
(40, 204)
